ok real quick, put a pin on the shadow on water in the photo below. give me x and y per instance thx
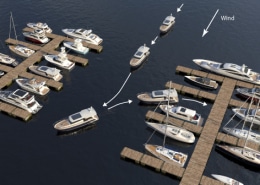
(77, 131)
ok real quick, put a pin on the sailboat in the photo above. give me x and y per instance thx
(227, 180)
(166, 154)
(244, 154)
(16, 48)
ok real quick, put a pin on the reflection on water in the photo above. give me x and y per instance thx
(76, 131)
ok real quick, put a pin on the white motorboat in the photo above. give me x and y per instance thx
(76, 46)
(252, 93)
(249, 115)
(202, 82)
(60, 60)
(33, 85)
(159, 96)
(5, 59)
(48, 72)
(167, 155)
(22, 99)
(140, 55)
(40, 25)
(231, 70)
(183, 113)
(37, 36)
(83, 118)
(167, 23)
(174, 132)
(245, 155)
(83, 34)
(21, 50)
(226, 180)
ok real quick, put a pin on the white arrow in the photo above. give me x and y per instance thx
(205, 31)
(105, 104)
(153, 41)
(129, 101)
(204, 103)
(179, 9)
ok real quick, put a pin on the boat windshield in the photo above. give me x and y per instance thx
(138, 54)
(20, 93)
(75, 117)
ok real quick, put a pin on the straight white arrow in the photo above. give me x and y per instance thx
(129, 101)
(203, 103)
(179, 9)
(205, 31)
(153, 41)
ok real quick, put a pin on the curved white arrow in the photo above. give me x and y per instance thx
(179, 9)
(153, 41)
(105, 104)
(203, 103)
(129, 101)
(205, 31)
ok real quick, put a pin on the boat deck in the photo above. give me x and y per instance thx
(207, 135)
(20, 71)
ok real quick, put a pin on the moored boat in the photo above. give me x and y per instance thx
(173, 132)
(22, 99)
(33, 85)
(226, 180)
(202, 82)
(60, 60)
(83, 34)
(167, 155)
(82, 118)
(239, 72)
(140, 55)
(36, 36)
(159, 96)
(40, 25)
(48, 72)
(5, 59)
(167, 23)
(21, 50)
(76, 46)
(249, 115)
(183, 113)
(252, 93)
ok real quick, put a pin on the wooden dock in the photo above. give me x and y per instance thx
(20, 71)
(208, 134)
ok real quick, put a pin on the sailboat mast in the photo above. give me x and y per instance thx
(167, 114)
(12, 22)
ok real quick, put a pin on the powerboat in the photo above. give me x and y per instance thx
(140, 55)
(230, 70)
(83, 34)
(159, 96)
(21, 50)
(48, 72)
(167, 155)
(33, 85)
(40, 26)
(243, 134)
(226, 180)
(60, 60)
(167, 23)
(37, 36)
(182, 113)
(5, 59)
(252, 93)
(82, 118)
(22, 99)
(76, 46)
(173, 132)
(249, 115)
(202, 82)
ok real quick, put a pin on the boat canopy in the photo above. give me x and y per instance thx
(164, 93)
(185, 111)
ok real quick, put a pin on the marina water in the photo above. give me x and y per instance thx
(33, 153)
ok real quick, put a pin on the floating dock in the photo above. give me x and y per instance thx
(207, 134)
(20, 71)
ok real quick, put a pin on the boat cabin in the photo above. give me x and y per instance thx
(82, 115)
(141, 51)
(164, 94)
(20, 94)
(83, 32)
(186, 112)
(169, 20)
(48, 70)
